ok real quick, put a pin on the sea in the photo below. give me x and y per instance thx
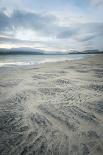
(25, 60)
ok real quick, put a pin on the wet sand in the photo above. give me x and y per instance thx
(52, 109)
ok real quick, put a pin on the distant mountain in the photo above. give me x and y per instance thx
(32, 51)
(91, 51)
(87, 52)
(28, 51)
(21, 51)
(55, 53)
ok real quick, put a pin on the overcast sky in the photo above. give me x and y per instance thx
(52, 25)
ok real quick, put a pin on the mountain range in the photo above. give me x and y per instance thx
(32, 51)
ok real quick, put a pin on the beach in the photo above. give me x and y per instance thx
(53, 108)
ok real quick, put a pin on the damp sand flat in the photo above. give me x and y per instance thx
(52, 109)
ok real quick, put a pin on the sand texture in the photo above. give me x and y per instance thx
(52, 109)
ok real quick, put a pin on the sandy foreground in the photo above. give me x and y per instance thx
(52, 109)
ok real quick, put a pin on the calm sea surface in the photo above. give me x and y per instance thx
(22, 60)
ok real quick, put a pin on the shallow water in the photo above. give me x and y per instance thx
(22, 60)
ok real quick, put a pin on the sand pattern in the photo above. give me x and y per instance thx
(54, 109)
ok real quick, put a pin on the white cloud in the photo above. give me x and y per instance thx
(63, 28)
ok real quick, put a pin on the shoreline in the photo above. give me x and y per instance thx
(31, 62)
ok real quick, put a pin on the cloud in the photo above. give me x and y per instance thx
(14, 40)
(97, 2)
(26, 20)
(82, 32)
(46, 30)
(85, 38)
(4, 22)
(31, 20)
(66, 32)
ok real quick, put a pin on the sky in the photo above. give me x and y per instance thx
(52, 25)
